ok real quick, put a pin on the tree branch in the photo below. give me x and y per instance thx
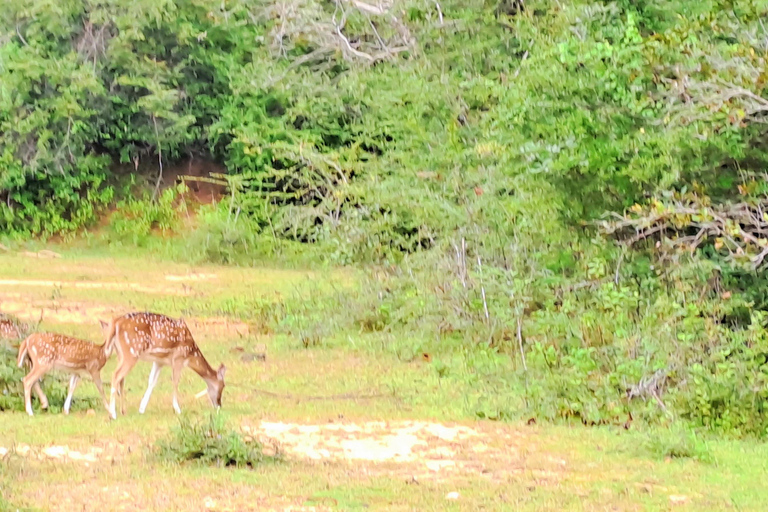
(740, 228)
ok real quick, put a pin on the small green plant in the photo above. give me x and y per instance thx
(676, 442)
(211, 442)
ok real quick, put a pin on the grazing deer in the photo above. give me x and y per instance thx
(165, 342)
(49, 351)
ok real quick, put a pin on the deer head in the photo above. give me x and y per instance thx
(216, 387)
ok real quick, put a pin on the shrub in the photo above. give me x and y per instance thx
(211, 442)
(678, 442)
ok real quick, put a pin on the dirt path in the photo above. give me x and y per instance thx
(93, 285)
(82, 313)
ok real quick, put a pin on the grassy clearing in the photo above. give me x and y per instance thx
(174, 288)
(349, 379)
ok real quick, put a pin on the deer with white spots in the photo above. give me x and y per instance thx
(164, 341)
(48, 351)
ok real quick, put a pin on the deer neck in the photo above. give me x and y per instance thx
(200, 366)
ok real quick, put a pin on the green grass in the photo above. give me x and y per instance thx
(351, 377)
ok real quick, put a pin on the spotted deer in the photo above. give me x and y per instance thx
(48, 351)
(164, 341)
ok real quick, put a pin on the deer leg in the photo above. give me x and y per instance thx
(177, 366)
(27, 397)
(125, 366)
(40, 395)
(154, 374)
(97, 380)
(72, 385)
(29, 381)
(113, 387)
(121, 388)
(38, 390)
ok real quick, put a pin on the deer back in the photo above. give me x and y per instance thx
(153, 334)
(64, 351)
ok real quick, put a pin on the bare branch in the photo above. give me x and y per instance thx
(327, 34)
(21, 38)
(349, 46)
(684, 223)
(439, 11)
(520, 343)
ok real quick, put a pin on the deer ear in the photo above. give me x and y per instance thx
(222, 371)
(103, 323)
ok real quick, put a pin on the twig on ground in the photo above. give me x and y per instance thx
(307, 398)
(520, 342)
(482, 291)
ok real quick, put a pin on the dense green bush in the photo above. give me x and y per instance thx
(211, 442)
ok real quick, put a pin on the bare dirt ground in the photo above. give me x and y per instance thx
(416, 449)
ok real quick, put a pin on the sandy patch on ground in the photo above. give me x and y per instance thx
(371, 441)
(190, 277)
(415, 448)
(62, 453)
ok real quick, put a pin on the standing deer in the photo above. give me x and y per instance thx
(49, 351)
(165, 342)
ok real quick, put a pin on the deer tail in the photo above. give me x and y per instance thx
(109, 342)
